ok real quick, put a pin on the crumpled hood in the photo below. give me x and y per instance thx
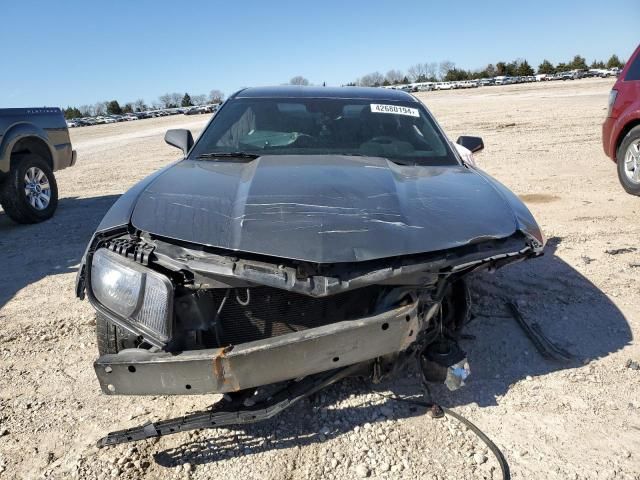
(323, 209)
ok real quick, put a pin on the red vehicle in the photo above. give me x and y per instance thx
(621, 129)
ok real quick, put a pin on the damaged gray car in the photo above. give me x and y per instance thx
(310, 234)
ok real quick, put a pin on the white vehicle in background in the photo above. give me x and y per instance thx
(541, 77)
(501, 80)
(443, 86)
(71, 124)
(598, 72)
(425, 86)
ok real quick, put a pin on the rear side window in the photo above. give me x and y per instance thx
(634, 70)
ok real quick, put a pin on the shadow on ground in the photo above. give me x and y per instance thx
(28, 253)
(571, 310)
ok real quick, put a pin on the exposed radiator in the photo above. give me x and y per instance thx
(270, 312)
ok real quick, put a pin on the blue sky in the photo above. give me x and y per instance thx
(79, 52)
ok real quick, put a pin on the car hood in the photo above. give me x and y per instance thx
(325, 208)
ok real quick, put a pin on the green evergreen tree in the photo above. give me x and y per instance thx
(578, 63)
(186, 101)
(72, 112)
(546, 67)
(113, 108)
(524, 69)
(614, 62)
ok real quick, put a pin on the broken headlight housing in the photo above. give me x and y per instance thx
(138, 296)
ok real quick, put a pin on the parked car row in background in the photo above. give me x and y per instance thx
(128, 117)
(505, 80)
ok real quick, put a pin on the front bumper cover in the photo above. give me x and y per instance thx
(252, 364)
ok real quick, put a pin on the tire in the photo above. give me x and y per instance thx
(111, 338)
(629, 150)
(13, 196)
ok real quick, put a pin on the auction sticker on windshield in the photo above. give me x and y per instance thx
(395, 109)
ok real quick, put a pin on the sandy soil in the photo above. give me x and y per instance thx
(577, 421)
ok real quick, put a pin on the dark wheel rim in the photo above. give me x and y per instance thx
(37, 188)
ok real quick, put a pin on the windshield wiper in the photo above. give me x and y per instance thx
(248, 155)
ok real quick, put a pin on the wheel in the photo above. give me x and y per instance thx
(30, 193)
(628, 159)
(111, 338)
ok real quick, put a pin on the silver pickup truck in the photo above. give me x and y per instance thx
(34, 143)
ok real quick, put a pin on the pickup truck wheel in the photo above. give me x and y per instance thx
(111, 338)
(30, 192)
(628, 159)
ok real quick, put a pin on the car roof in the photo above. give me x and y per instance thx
(294, 91)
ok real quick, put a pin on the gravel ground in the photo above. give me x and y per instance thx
(576, 421)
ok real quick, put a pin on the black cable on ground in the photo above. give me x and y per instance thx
(504, 466)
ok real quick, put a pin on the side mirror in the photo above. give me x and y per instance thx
(179, 138)
(475, 144)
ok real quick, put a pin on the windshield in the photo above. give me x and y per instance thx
(400, 131)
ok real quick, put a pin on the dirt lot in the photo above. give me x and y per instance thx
(577, 421)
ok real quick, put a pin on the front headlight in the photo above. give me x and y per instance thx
(139, 295)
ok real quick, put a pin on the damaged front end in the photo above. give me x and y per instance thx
(305, 237)
(205, 322)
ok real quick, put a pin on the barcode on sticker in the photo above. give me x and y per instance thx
(395, 109)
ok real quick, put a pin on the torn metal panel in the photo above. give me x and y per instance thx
(324, 280)
(140, 372)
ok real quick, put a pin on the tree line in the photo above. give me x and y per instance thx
(420, 72)
(168, 100)
(447, 71)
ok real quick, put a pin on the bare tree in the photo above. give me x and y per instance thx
(374, 79)
(165, 100)
(176, 99)
(431, 69)
(100, 108)
(139, 105)
(86, 110)
(413, 72)
(299, 80)
(417, 72)
(216, 96)
(445, 66)
(394, 76)
(198, 99)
